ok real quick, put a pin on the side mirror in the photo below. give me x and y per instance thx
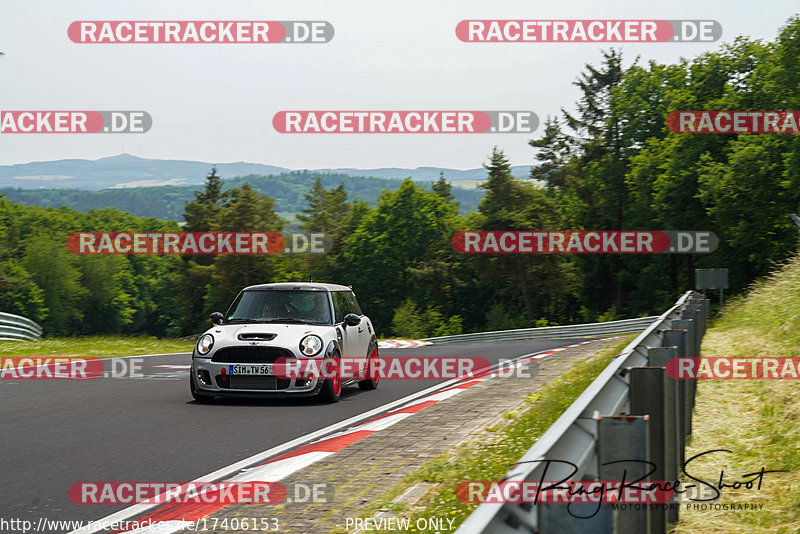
(217, 318)
(351, 319)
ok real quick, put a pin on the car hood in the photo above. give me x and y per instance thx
(285, 334)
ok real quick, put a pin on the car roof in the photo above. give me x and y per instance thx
(297, 286)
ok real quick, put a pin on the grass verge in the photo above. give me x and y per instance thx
(757, 420)
(493, 453)
(94, 346)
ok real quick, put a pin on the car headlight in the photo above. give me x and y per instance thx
(205, 343)
(310, 345)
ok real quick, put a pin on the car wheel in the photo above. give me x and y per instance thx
(199, 397)
(372, 372)
(332, 387)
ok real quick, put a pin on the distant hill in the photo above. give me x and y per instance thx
(167, 201)
(125, 171)
(429, 174)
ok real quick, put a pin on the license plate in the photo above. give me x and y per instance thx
(250, 369)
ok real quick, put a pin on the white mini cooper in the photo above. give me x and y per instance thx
(271, 326)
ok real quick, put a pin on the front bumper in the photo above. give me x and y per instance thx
(213, 378)
(211, 373)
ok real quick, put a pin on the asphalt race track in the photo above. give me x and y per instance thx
(59, 432)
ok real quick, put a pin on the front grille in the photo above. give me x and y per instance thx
(253, 382)
(269, 383)
(250, 354)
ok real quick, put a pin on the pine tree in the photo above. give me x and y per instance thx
(201, 213)
(443, 188)
(327, 211)
(499, 187)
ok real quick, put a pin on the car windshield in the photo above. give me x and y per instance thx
(279, 306)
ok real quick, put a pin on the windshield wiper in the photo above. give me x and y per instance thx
(242, 320)
(291, 321)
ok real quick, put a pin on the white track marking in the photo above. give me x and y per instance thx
(383, 422)
(275, 471)
(442, 394)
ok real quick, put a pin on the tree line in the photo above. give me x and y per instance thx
(609, 163)
(167, 201)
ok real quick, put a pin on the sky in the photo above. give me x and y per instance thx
(215, 102)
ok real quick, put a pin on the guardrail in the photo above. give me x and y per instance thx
(624, 326)
(18, 328)
(633, 413)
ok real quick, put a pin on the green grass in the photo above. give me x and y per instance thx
(493, 453)
(94, 346)
(758, 420)
(769, 312)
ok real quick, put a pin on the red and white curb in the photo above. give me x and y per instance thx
(402, 343)
(541, 355)
(177, 516)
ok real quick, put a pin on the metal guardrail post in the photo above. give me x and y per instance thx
(677, 338)
(625, 439)
(699, 313)
(687, 324)
(693, 312)
(706, 307)
(701, 308)
(673, 439)
(648, 398)
(692, 351)
(674, 337)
